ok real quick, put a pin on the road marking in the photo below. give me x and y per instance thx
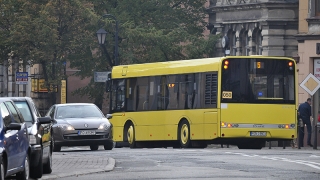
(314, 165)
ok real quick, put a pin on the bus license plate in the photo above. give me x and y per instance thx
(257, 133)
(87, 133)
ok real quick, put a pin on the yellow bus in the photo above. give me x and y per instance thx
(236, 100)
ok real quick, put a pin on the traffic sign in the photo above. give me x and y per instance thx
(311, 84)
(101, 76)
(21, 78)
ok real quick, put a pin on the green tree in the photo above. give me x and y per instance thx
(52, 32)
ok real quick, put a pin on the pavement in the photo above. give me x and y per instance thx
(66, 164)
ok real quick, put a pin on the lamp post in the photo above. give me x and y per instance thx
(101, 34)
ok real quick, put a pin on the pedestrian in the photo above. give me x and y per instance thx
(306, 116)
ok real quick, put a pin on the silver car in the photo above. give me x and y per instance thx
(79, 124)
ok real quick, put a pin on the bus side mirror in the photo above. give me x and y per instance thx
(108, 83)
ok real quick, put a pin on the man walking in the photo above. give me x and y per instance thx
(305, 114)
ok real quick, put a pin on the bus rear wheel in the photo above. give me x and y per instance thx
(184, 134)
(131, 136)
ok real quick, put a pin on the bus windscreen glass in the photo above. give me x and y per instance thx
(258, 81)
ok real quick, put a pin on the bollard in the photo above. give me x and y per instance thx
(284, 144)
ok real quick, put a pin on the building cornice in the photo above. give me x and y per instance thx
(251, 6)
(302, 37)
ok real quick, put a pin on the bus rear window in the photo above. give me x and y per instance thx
(258, 81)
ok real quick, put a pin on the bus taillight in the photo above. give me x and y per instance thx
(225, 64)
(290, 64)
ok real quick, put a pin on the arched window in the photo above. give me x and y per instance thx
(232, 42)
(259, 43)
(244, 39)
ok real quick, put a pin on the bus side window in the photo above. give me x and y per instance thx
(131, 95)
(143, 93)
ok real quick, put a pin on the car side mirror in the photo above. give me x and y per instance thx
(13, 126)
(109, 116)
(45, 120)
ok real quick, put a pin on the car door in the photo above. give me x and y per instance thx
(21, 135)
(10, 139)
(43, 130)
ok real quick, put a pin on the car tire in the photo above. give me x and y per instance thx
(56, 148)
(47, 167)
(108, 146)
(36, 171)
(2, 171)
(94, 147)
(24, 175)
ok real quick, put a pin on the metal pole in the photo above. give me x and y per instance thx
(315, 107)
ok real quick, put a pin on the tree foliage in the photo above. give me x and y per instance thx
(52, 32)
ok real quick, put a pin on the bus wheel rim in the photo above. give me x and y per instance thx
(130, 134)
(184, 134)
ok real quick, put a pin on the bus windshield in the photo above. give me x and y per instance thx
(118, 95)
(258, 81)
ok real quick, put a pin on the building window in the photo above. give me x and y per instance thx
(245, 44)
(234, 44)
(317, 9)
(258, 42)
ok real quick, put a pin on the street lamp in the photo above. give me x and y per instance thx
(101, 34)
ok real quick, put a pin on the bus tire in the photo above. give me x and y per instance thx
(131, 136)
(184, 134)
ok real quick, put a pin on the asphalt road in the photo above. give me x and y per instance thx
(209, 163)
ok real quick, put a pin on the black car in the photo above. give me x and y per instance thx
(39, 130)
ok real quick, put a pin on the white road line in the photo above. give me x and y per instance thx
(314, 165)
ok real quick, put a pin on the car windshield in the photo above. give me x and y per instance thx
(78, 111)
(25, 110)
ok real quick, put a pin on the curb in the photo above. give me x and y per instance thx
(107, 168)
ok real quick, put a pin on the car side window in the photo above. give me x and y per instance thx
(35, 109)
(51, 112)
(5, 114)
(16, 117)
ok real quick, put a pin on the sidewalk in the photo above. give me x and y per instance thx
(67, 164)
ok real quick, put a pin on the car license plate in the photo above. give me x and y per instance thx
(86, 132)
(258, 133)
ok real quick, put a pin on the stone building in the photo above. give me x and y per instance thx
(256, 27)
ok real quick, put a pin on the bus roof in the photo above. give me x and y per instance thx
(175, 67)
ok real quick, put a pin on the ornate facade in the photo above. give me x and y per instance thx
(256, 27)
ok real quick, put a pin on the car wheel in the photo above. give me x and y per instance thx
(36, 171)
(184, 134)
(55, 147)
(24, 175)
(2, 172)
(131, 136)
(94, 147)
(109, 146)
(47, 168)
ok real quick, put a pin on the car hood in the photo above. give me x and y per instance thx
(79, 123)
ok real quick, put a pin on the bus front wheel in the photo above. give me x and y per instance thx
(131, 136)
(184, 134)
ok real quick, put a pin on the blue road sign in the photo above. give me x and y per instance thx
(21, 78)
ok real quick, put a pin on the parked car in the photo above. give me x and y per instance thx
(14, 142)
(80, 124)
(39, 131)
